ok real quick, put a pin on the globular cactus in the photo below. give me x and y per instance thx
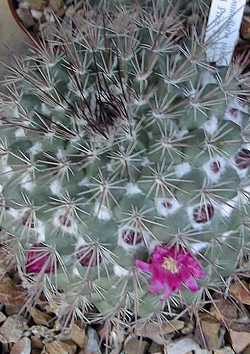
(124, 163)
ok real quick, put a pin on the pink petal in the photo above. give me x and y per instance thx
(174, 281)
(192, 285)
(156, 287)
(191, 265)
(196, 269)
(143, 266)
(167, 292)
(198, 273)
(159, 254)
(158, 276)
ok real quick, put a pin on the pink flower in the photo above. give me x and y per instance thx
(172, 267)
(39, 258)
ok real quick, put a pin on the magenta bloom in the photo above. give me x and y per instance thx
(171, 268)
(39, 258)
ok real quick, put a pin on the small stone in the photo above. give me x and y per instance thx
(40, 317)
(226, 350)
(133, 345)
(240, 340)
(224, 311)
(157, 332)
(2, 317)
(183, 346)
(26, 17)
(210, 332)
(241, 325)
(52, 307)
(40, 331)
(36, 342)
(77, 335)
(155, 349)
(13, 328)
(10, 294)
(241, 292)
(58, 347)
(92, 346)
(23, 346)
(189, 327)
(12, 309)
(36, 14)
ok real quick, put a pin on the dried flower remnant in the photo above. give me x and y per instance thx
(40, 258)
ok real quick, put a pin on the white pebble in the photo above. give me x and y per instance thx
(36, 14)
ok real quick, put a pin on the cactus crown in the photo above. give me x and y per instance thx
(117, 136)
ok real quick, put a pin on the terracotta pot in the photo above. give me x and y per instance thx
(239, 50)
(13, 36)
(12, 7)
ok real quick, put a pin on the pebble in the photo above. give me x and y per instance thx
(58, 347)
(155, 349)
(92, 346)
(240, 340)
(182, 346)
(36, 342)
(36, 14)
(77, 335)
(2, 317)
(23, 346)
(226, 350)
(12, 329)
(158, 332)
(12, 309)
(40, 317)
(133, 345)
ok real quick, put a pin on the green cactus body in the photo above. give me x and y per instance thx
(117, 136)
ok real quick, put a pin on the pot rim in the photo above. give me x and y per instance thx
(19, 22)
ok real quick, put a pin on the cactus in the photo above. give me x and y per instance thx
(122, 147)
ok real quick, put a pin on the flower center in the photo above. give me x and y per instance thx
(170, 265)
